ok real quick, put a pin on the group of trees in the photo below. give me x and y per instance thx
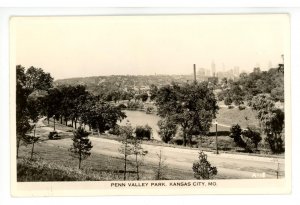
(250, 85)
(28, 82)
(189, 107)
(247, 139)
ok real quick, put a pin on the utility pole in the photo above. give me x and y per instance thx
(195, 80)
(217, 137)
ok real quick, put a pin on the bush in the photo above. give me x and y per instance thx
(242, 107)
(53, 135)
(253, 135)
(275, 143)
(228, 101)
(167, 130)
(230, 106)
(177, 141)
(203, 169)
(115, 130)
(149, 109)
(236, 134)
(142, 132)
(135, 105)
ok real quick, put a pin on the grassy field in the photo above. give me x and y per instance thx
(54, 163)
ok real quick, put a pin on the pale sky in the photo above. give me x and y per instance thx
(144, 45)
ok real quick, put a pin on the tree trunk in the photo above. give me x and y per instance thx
(32, 150)
(75, 123)
(18, 145)
(61, 120)
(72, 122)
(184, 138)
(66, 121)
(137, 167)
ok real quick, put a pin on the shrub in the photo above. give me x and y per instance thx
(142, 132)
(228, 101)
(149, 109)
(253, 135)
(242, 107)
(177, 141)
(167, 130)
(115, 130)
(135, 105)
(203, 169)
(53, 135)
(230, 106)
(236, 133)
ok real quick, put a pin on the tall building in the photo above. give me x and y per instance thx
(236, 71)
(213, 69)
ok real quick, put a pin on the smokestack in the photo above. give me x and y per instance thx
(195, 80)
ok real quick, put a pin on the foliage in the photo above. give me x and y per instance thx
(115, 130)
(271, 121)
(81, 146)
(242, 107)
(135, 105)
(149, 109)
(167, 129)
(153, 91)
(253, 135)
(27, 109)
(236, 134)
(227, 101)
(142, 132)
(203, 169)
(192, 106)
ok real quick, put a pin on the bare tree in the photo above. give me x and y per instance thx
(139, 153)
(161, 167)
(126, 148)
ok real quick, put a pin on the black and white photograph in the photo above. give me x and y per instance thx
(144, 102)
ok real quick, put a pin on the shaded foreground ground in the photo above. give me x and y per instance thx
(106, 163)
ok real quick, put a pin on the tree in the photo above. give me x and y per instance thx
(28, 82)
(167, 129)
(31, 140)
(37, 79)
(101, 115)
(228, 101)
(253, 135)
(144, 97)
(203, 169)
(236, 134)
(126, 148)
(153, 92)
(139, 153)
(271, 121)
(191, 106)
(81, 146)
(161, 167)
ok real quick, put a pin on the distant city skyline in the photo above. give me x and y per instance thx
(70, 47)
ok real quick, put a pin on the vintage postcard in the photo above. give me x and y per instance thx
(150, 105)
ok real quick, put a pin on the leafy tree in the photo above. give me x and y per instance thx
(253, 135)
(167, 129)
(192, 106)
(101, 115)
(203, 169)
(127, 147)
(28, 82)
(81, 146)
(236, 134)
(144, 97)
(153, 92)
(271, 121)
(37, 79)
